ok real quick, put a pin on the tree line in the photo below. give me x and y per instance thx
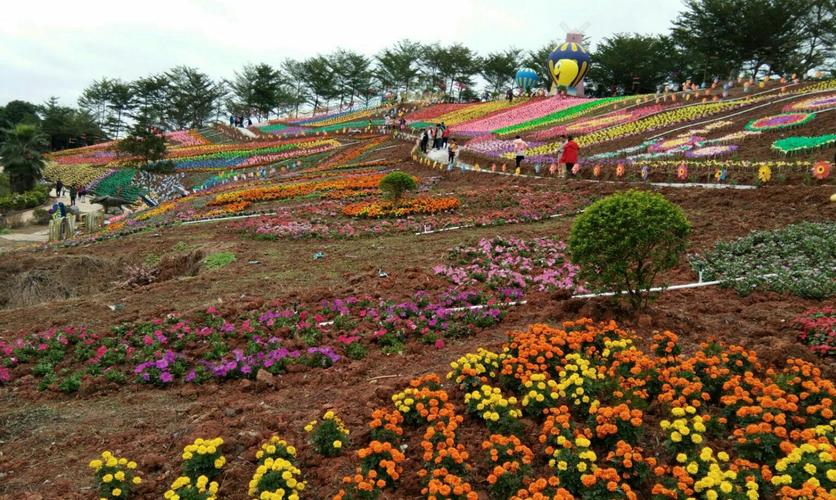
(709, 39)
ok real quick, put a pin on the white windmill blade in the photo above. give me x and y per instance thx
(565, 27)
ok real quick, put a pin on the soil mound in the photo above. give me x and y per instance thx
(31, 281)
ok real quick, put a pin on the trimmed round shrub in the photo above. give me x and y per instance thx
(623, 241)
(395, 184)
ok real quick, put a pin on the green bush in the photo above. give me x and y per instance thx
(799, 259)
(395, 184)
(25, 200)
(41, 216)
(623, 241)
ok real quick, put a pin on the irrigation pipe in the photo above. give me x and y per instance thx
(467, 226)
(685, 286)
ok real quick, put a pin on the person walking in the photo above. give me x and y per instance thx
(437, 141)
(59, 188)
(570, 155)
(425, 139)
(445, 136)
(452, 151)
(73, 194)
(519, 150)
(509, 95)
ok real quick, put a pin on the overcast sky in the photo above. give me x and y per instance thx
(57, 47)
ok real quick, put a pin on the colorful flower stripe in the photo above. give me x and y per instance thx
(435, 110)
(475, 111)
(334, 116)
(587, 106)
(72, 175)
(182, 138)
(779, 122)
(594, 123)
(344, 117)
(815, 103)
(284, 191)
(652, 122)
(711, 151)
(412, 206)
(234, 161)
(803, 143)
(528, 111)
(348, 125)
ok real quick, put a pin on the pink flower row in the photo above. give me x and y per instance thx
(531, 110)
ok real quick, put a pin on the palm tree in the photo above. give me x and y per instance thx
(21, 156)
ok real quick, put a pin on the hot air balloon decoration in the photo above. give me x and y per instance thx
(568, 64)
(526, 78)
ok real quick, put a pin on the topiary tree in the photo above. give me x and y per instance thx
(395, 184)
(623, 241)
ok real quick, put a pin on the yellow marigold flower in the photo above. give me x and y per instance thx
(107, 478)
(582, 466)
(120, 476)
(328, 415)
(132, 465)
(337, 444)
(309, 428)
(95, 464)
(696, 438)
(810, 469)
(692, 468)
(116, 492)
(725, 487)
(681, 458)
(723, 456)
(136, 480)
(711, 495)
(831, 475)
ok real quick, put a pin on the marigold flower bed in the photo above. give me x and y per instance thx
(411, 206)
(727, 427)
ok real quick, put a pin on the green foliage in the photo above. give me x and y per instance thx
(41, 216)
(800, 259)
(396, 183)
(119, 184)
(21, 156)
(258, 88)
(67, 127)
(71, 383)
(499, 68)
(623, 241)
(355, 350)
(144, 143)
(633, 62)
(23, 201)
(218, 260)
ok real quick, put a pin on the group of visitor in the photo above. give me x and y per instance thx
(567, 152)
(76, 192)
(239, 121)
(390, 123)
(439, 136)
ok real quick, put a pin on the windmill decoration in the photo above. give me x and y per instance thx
(569, 62)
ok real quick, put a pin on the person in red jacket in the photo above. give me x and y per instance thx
(570, 155)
